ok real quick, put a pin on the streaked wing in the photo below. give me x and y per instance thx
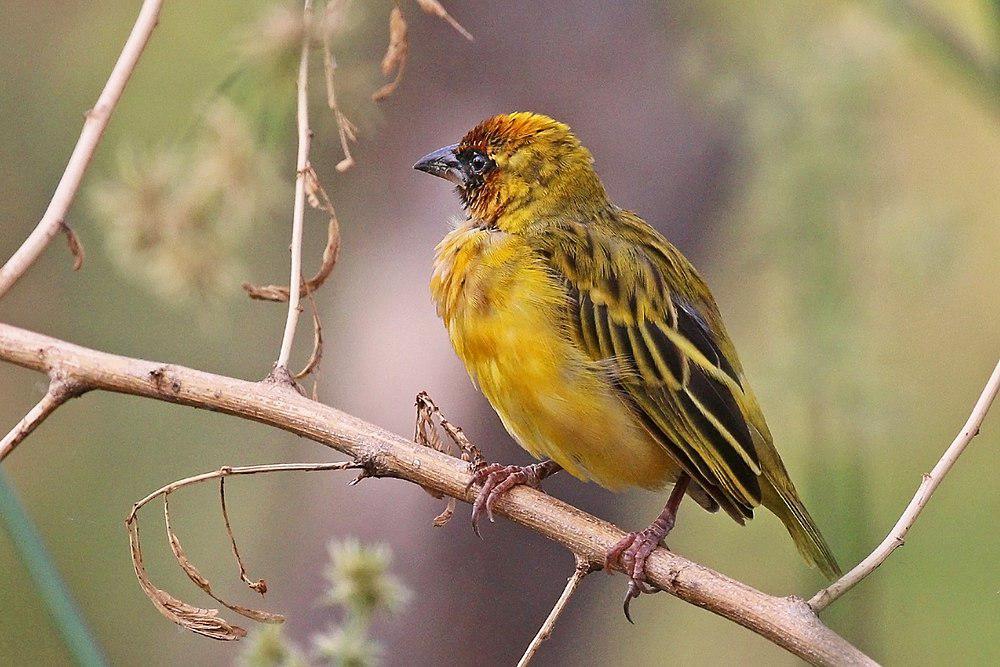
(669, 364)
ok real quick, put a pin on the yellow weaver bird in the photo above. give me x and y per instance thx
(597, 342)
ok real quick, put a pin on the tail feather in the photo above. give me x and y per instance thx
(785, 504)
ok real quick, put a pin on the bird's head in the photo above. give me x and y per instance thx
(513, 169)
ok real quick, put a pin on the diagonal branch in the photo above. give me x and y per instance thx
(897, 536)
(582, 569)
(787, 621)
(53, 220)
(60, 390)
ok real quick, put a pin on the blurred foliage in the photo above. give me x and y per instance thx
(360, 587)
(360, 581)
(178, 219)
(267, 646)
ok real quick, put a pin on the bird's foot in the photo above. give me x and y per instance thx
(496, 479)
(629, 556)
(632, 551)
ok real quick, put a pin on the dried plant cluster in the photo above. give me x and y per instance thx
(207, 621)
(171, 204)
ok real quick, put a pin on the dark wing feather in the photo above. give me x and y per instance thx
(664, 359)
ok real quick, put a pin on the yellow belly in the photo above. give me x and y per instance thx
(504, 314)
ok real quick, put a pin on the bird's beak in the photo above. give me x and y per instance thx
(443, 163)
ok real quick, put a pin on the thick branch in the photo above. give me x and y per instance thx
(53, 220)
(788, 621)
(930, 482)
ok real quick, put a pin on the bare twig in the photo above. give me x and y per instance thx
(207, 621)
(345, 128)
(425, 433)
(75, 246)
(280, 293)
(228, 471)
(317, 351)
(583, 568)
(928, 485)
(53, 220)
(203, 621)
(259, 585)
(435, 8)
(426, 409)
(298, 212)
(199, 580)
(787, 621)
(60, 390)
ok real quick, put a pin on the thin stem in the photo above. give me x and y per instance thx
(52, 221)
(928, 485)
(238, 470)
(51, 587)
(298, 212)
(59, 392)
(582, 570)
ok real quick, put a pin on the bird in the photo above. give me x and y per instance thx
(597, 342)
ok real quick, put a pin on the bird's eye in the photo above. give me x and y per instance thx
(478, 162)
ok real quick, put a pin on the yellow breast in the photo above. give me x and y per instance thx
(505, 315)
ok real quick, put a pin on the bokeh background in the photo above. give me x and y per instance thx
(832, 167)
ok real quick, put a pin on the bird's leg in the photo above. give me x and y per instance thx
(631, 552)
(496, 479)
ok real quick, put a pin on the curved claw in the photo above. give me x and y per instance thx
(632, 593)
(629, 555)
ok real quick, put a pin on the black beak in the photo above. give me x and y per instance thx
(443, 163)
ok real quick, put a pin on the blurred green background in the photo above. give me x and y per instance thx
(832, 167)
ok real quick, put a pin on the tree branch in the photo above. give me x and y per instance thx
(60, 390)
(299, 210)
(53, 220)
(787, 621)
(582, 569)
(930, 482)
